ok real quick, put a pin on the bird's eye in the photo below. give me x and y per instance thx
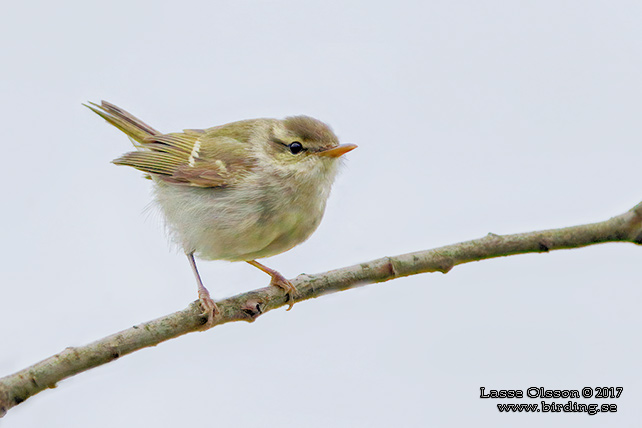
(295, 147)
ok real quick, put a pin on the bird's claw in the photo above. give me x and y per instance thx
(210, 309)
(279, 280)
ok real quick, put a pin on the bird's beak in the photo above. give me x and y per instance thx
(335, 152)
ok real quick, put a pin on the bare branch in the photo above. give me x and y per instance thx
(16, 388)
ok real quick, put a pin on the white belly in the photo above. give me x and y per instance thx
(238, 224)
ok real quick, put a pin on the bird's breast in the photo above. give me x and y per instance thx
(240, 223)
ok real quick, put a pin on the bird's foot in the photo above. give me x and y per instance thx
(280, 281)
(209, 307)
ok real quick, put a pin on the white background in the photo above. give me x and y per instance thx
(471, 117)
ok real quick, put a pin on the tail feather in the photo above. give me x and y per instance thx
(129, 124)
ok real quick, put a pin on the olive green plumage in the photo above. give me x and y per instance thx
(240, 191)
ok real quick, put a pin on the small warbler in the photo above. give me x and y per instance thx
(238, 192)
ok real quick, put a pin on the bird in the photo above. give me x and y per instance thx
(241, 191)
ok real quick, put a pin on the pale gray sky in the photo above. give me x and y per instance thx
(471, 117)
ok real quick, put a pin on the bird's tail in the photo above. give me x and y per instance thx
(135, 128)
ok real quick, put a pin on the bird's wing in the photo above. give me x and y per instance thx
(200, 158)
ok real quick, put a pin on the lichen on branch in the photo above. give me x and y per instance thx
(18, 387)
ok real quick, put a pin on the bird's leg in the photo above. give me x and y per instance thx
(278, 280)
(209, 307)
